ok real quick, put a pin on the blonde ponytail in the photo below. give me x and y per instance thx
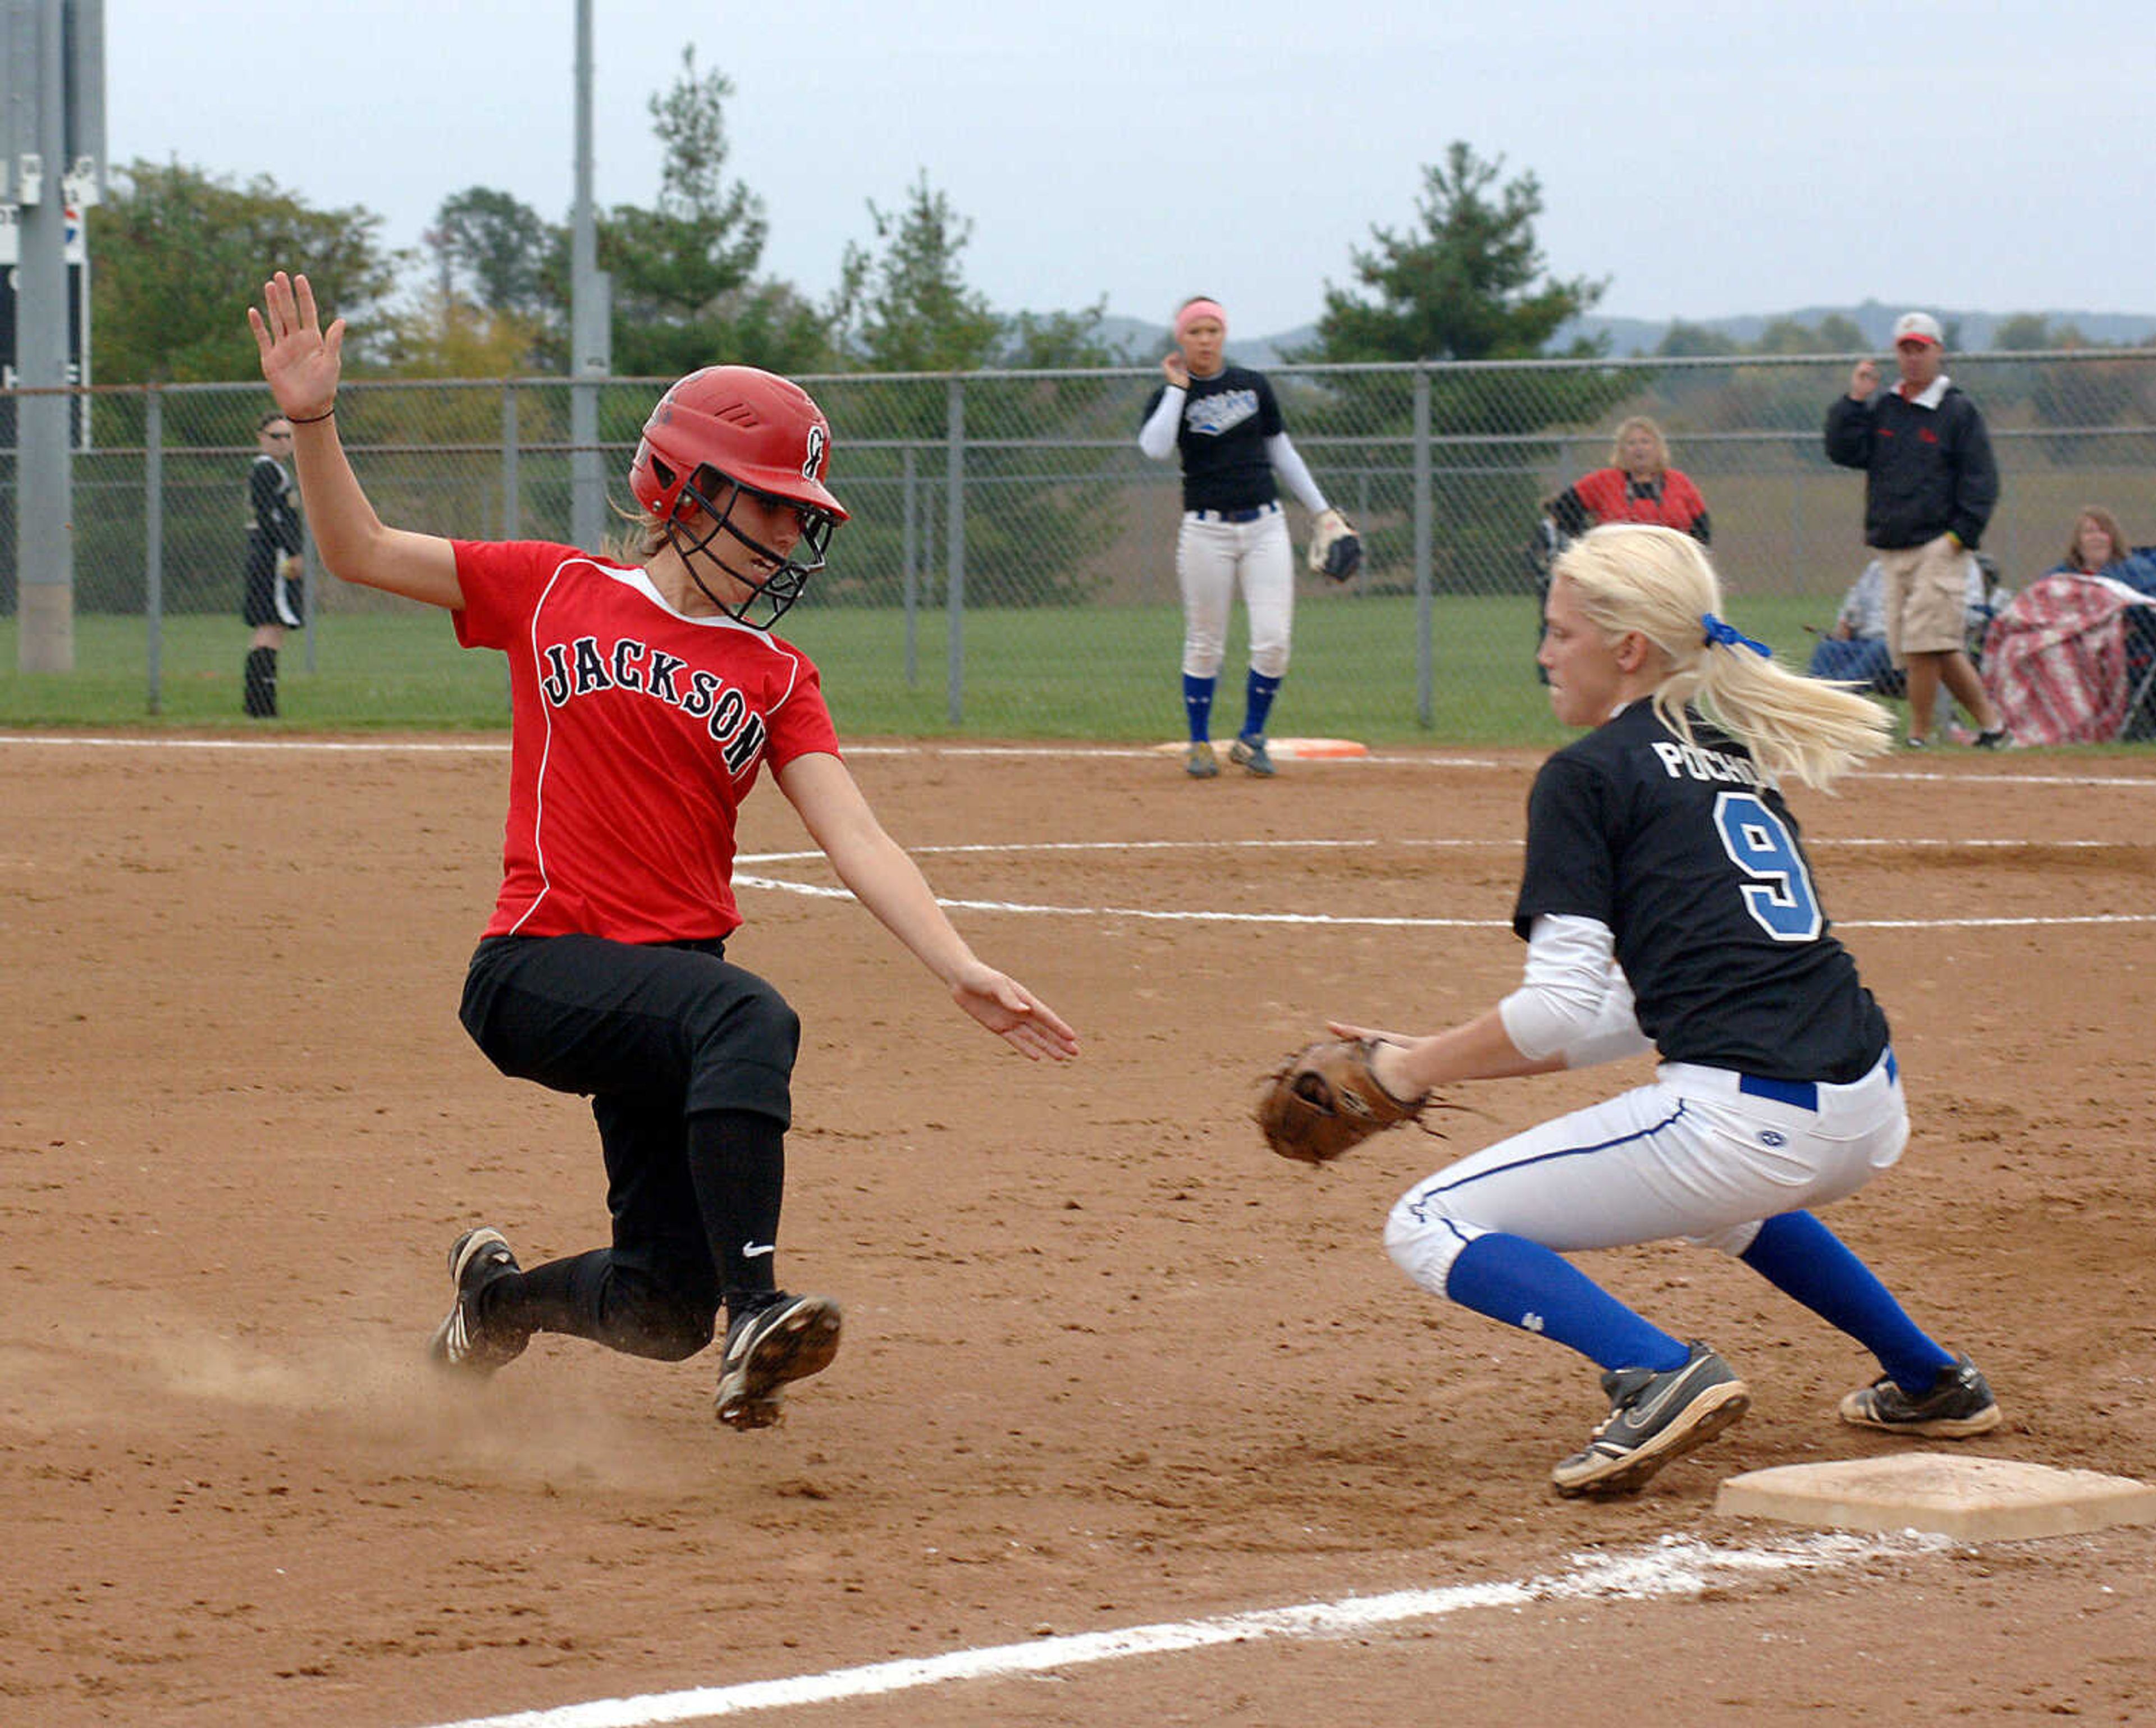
(1633, 576)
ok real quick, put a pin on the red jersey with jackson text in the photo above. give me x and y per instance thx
(638, 732)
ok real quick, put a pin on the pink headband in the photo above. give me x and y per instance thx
(1195, 310)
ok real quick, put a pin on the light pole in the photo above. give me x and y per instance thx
(591, 322)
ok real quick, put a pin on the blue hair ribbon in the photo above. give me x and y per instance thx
(1729, 636)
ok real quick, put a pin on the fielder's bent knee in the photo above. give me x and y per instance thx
(1424, 1239)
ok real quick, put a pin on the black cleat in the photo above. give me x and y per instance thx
(461, 1342)
(1960, 1404)
(1653, 1418)
(788, 1339)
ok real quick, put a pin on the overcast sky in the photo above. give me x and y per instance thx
(1709, 159)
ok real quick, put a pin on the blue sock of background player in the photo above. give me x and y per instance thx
(1257, 703)
(1197, 706)
(1524, 1285)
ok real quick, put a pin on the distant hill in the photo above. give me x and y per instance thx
(1142, 342)
(1643, 335)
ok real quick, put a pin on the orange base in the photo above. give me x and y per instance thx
(1287, 750)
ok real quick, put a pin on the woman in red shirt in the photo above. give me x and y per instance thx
(645, 694)
(1638, 486)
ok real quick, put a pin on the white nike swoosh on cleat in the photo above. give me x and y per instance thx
(752, 1250)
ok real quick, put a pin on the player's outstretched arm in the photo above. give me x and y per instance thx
(1477, 1049)
(876, 868)
(302, 364)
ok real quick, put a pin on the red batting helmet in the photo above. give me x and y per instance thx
(759, 430)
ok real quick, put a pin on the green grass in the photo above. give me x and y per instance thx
(1100, 672)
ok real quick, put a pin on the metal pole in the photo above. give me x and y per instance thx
(591, 337)
(153, 538)
(512, 503)
(954, 534)
(44, 471)
(910, 570)
(1426, 609)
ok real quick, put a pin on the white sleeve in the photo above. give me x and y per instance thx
(1156, 436)
(1574, 1001)
(1288, 463)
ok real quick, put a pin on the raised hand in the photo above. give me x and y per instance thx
(300, 363)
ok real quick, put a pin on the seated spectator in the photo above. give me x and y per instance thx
(1855, 650)
(2098, 547)
(2070, 660)
(1638, 486)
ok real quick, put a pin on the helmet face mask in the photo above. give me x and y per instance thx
(727, 432)
(715, 496)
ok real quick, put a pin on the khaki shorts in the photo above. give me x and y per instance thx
(1926, 597)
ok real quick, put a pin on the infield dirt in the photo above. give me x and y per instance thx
(1107, 1363)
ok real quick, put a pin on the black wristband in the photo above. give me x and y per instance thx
(311, 419)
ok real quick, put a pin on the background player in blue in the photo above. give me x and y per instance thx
(271, 598)
(1225, 424)
(1668, 904)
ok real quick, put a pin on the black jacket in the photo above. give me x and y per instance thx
(1927, 470)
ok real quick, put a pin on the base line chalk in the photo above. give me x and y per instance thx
(1673, 1566)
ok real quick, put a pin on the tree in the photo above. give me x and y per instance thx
(2031, 332)
(907, 309)
(493, 251)
(1686, 341)
(180, 253)
(685, 294)
(1470, 285)
(443, 336)
(1060, 339)
(1835, 334)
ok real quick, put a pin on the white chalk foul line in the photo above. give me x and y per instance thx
(1059, 752)
(1406, 842)
(1157, 914)
(1675, 1567)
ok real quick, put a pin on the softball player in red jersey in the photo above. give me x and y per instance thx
(645, 697)
(1668, 905)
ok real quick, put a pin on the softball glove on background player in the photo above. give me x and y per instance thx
(1336, 549)
(1324, 1098)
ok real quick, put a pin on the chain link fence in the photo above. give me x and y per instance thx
(1009, 565)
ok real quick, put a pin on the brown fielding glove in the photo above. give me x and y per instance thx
(1324, 1098)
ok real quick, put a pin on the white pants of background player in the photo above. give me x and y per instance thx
(1689, 1156)
(1211, 558)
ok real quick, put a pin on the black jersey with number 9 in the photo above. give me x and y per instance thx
(1695, 864)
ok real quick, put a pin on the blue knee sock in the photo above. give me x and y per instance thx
(1803, 1260)
(1258, 695)
(1197, 706)
(1525, 1284)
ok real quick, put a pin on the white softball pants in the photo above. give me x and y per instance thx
(1693, 1155)
(1210, 557)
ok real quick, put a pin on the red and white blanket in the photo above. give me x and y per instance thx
(2056, 660)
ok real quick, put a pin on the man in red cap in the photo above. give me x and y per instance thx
(1930, 486)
